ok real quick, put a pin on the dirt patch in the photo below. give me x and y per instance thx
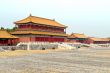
(22, 52)
(103, 54)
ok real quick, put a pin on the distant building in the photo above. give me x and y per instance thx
(93, 40)
(77, 37)
(37, 29)
(7, 39)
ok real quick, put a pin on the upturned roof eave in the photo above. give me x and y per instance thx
(30, 19)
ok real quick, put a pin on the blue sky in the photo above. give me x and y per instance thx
(91, 17)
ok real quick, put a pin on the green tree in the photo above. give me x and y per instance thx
(14, 28)
(2, 28)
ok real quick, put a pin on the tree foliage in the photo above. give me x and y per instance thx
(2, 28)
(12, 29)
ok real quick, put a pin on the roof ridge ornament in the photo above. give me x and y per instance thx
(30, 17)
(30, 14)
(54, 19)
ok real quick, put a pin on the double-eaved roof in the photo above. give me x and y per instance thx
(39, 20)
(77, 35)
(5, 35)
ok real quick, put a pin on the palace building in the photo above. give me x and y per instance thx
(7, 39)
(77, 38)
(82, 38)
(93, 40)
(37, 29)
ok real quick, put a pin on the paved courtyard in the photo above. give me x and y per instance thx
(72, 61)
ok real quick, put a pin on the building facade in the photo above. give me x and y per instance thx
(93, 40)
(77, 38)
(6, 39)
(37, 29)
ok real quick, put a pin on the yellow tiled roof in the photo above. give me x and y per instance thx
(4, 34)
(39, 33)
(77, 35)
(109, 39)
(99, 39)
(40, 20)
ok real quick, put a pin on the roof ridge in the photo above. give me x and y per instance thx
(79, 33)
(41, 18)
(30, 18)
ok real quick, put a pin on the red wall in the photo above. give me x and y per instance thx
(24, 39)
(52, 29)
(49, 39)
(9, 42)
(41, 39)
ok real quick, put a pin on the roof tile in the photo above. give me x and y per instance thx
(39, 33)
(4, 34)
(40, 20)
